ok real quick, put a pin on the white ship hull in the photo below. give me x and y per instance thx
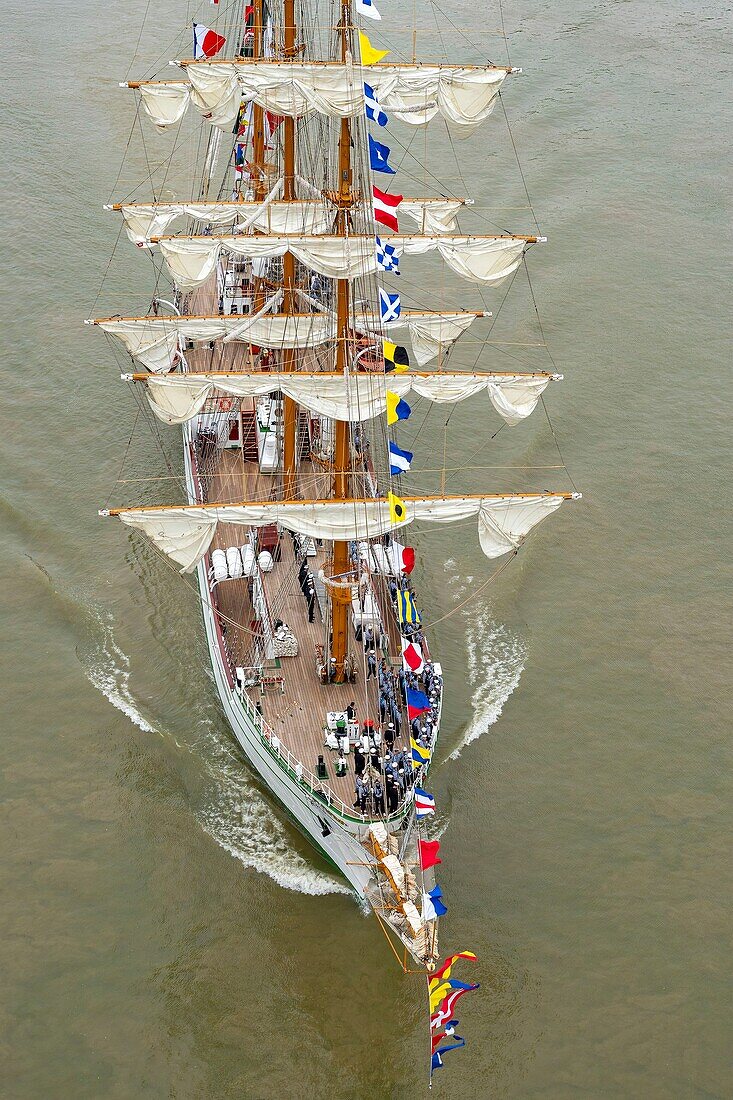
(334, 830)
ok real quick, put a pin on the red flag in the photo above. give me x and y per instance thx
(206, 43)
(408, 559)
(429, 854)
(412, 655)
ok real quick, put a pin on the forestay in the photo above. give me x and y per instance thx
(177, 398)
(465, 97)
(186, 533)
(488, 260)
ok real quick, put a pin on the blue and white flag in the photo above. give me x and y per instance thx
(387, 257)
(373, 110)
(399, 460)
(379, 157)
(389, 306)
(367, 8)
(424, 803)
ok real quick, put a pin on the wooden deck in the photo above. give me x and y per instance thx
(293, 700)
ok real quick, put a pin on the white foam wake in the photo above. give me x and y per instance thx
(235, 815)
(108, 669)
(496, 660)
(239, 819)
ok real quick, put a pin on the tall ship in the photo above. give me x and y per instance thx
(287, 355)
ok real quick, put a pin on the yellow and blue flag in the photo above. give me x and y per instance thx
(406, 610)
(397, 408)
(420, 755)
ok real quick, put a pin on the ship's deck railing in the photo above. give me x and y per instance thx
(310, 782)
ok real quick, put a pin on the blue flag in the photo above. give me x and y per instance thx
(389, 306)
(379, 157)
(387, 257)
(440, 910)
(399, 460)
(437, 1060)
(371, 103)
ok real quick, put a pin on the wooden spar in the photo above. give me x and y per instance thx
(340, 598)
(289, 364)
(358, 236)
(243, 61)
(257, 168)
(246, 203)
(144, 376)
(163, 318)
(275, 504)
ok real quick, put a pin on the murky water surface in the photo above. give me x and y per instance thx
(165, 932)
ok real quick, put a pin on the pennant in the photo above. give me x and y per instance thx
(372, 108)
(447, 966)
(390, 308)
(395, 357)
(369, 56)
(408, 559)
(387, 257)
(367, 8)
(379, 157)
(407, 612)
(424, 803)
(445, 1011)
(412, 657)
(385, 206)
(397, 408)
(428, 852)
(417, 703)
(450, 1029)
(399, 460)
(445, 990)
(437, 1059)
(206, 43)
(420, 756)
(397, 511)
(244, 117)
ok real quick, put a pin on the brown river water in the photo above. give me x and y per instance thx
(165, 931)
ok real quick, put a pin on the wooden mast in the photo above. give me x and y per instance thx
(290, 407)
(341, 595)
(258, 167)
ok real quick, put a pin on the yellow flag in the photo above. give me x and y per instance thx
(397, 511)
(369, 56)
(437, 995)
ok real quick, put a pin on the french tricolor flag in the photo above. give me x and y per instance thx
(384, 208)
(206, 43)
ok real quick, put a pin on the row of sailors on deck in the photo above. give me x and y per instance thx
(388, 786)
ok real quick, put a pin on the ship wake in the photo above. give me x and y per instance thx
(233, 813)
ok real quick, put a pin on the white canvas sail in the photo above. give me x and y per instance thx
(186, 533)
(177, 398)
(488, 260)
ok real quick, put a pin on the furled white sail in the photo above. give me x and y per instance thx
(191, 261)
(432, 215)
(186, 533)
(298, 216)
(281, 218)
(415, 94)
(154, 341)
(176, 398)
(430, 332)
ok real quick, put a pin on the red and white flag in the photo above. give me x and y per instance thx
(384, 208)
(412, 657)
(206, 43)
